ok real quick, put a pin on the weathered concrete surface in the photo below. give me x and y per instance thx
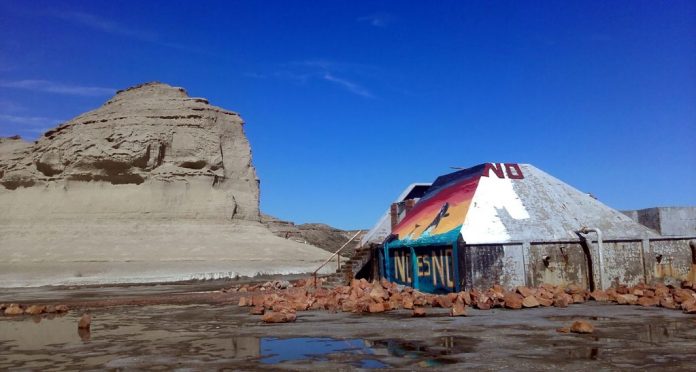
(654, 260)
(152, 186)
(212, 337)
(669, 221)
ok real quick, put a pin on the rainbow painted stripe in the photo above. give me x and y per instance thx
(440, 213)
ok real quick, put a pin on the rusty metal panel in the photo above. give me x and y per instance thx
(558, 264)
(623, 262)
(670, 260)
(482, 266)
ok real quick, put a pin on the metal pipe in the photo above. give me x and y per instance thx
(600, 247)
(314, 274)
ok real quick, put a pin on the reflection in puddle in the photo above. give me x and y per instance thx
(164, 337)
(275, 350)
(564, 318)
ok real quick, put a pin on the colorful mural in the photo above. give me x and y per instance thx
(434, 268)
(440, 213)
(423, 249)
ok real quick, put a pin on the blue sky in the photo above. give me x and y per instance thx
(347, 102)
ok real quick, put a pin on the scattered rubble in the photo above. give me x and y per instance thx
(19, 309)
(361, 296)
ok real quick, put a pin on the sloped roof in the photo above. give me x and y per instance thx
(496, 203)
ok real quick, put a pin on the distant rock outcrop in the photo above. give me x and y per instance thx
(152, 186)
(316, 234)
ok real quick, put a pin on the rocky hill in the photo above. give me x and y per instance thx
(316, 234)
(152, 186)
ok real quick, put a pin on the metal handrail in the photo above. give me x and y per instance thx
(338, 260)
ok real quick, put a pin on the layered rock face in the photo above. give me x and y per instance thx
(152, 186)
(192, 157)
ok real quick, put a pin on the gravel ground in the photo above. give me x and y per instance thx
(207, 334)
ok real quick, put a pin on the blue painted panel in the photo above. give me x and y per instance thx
(400, 267)
(434, 268)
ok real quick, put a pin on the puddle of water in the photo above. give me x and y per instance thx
(564, 318)
(131, 338)
(438, 352)
(276, 350)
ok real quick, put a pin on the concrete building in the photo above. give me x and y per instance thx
(512, 224)
(668, 221)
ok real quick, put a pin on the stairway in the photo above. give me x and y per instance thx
(347, 271)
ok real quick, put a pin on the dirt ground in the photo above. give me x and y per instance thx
(194, 326)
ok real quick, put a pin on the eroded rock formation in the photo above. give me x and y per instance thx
(154, 185)
(154, 134)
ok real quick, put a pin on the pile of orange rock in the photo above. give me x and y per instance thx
(376, 297)
(17, 309)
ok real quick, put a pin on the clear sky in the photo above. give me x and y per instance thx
(347, 102)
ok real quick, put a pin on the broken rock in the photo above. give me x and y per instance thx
(257, 310)
(376, 308)
(278, 317)
(244, 301)
(513, 300)
(530, 301)
(560, 301)
(525, 291)
(458, 309)
(543, 301)
(14, 309)
(35, 309)
(581, 326)
(378, 293)
(648, 301)
(627, 299)
(85, 321)
(599, 296)
(689, 306)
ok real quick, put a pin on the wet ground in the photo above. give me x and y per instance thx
(205, 336)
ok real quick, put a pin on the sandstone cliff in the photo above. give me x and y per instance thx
(152, 186)
(151, 134)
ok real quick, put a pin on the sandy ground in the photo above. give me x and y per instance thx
(107, 251)
(195, 326)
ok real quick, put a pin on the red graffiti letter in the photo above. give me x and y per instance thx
(517, 174)
(497, 169)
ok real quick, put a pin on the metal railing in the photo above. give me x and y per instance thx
(338, 258)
